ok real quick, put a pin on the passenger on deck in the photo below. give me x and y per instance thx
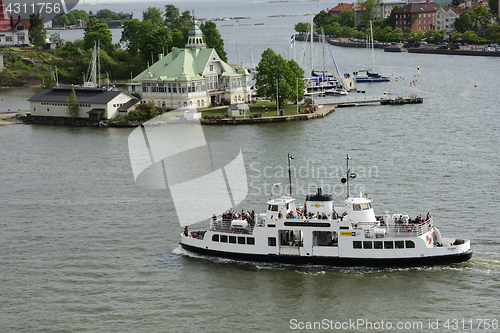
(428, 217)
(280, 215)
(186, 231)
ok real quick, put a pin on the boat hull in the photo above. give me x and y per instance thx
(336, 261)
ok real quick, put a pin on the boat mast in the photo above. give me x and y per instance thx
(312, 40)
(348, 175)
(290, 173)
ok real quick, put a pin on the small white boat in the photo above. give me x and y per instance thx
(324, 234)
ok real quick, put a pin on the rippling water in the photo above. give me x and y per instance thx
(82, 248)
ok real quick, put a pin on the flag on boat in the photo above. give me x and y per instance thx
(291, 157)
(292, 42)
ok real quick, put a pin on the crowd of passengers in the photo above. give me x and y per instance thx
(403, 220)
(233, 215)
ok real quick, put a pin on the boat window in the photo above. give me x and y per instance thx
(399, 244)
(377, 245)
(251, 241)
(356, 207)
(223, 238)
(325, 238)
(388, 245)
(273, 208)
(271, 241)
(365, 206)
(410, 244)
(241, 240)
(356, 245)
(215, 238)
(367, 244)
(232, 239)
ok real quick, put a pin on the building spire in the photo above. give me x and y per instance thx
(3, 14)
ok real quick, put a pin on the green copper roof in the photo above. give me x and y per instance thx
(183, 65)
(195, 31)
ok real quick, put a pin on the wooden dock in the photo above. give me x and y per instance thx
(384, 100)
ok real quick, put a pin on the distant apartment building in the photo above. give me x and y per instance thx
(418, 15)
(383, 9)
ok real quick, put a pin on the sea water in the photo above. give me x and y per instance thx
(82, 248)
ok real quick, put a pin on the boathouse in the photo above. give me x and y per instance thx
(94, 103)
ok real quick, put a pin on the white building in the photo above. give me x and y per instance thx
(192, 77)
(94, 103)
(383, 9)
(445, 18)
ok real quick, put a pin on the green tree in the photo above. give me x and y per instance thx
(185, 20)
(73, 108)
(302, 27)
(37, 31)
(481, 19)
(132, 35)
(493, 32)
(56, 38)
(172, 17)
(104, 14)
(493, 4)
(213, 39)
(97, 31)
(153, 14)
(367, 12)
(346, 18)
(154, 42)
(277, 78)
(178, 39)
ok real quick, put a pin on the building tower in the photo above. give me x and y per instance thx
(195, 37)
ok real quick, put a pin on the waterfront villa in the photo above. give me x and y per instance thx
(13, 31)
(192, 77)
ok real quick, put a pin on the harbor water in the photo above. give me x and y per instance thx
(83, 249)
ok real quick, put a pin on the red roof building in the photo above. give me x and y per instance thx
(13, 31)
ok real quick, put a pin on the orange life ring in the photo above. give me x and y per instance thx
(409, 227)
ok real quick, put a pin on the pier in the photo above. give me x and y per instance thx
(384, 100)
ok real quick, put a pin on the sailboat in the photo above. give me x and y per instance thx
(321, 82)
(368, 75)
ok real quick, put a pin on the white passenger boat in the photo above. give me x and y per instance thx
(320, 233)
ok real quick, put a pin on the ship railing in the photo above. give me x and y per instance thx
(226, 225)
(398, 230)
(405, 230)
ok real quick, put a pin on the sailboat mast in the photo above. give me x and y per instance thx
(312, 37)
(94, 79)
(99, 61)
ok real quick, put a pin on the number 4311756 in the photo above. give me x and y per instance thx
(41, 7)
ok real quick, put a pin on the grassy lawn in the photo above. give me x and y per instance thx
(258, 107)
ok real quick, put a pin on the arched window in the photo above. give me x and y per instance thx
(191, 104)
(185, 104)
(198, 103)
(202, 102)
